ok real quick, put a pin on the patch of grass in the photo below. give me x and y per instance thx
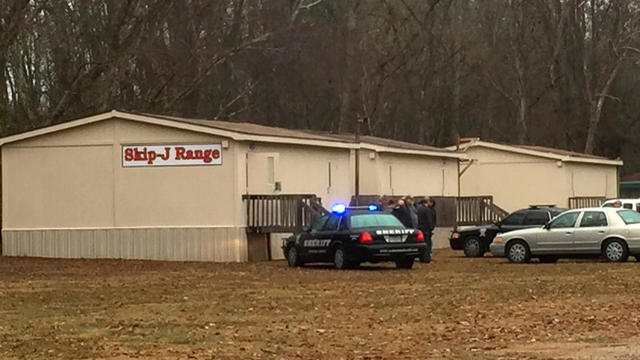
(598, 340)
(118, 309)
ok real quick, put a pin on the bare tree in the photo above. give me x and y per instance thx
(607, 48)
(551, 72)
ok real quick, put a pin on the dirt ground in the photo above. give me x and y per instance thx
(454, 308)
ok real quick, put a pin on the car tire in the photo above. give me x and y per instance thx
(340, 261)
(293, 258)
(473, 247)
(405, 263)
(549, 259)
(615, 250)
(518, 252)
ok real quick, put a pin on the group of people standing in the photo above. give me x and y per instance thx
(421, 216)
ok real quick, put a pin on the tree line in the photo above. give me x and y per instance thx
(560, 73)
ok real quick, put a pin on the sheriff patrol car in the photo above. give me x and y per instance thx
(350, 236)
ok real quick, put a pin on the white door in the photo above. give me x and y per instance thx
(262, 173)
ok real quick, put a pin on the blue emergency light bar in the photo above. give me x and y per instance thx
(338, 209)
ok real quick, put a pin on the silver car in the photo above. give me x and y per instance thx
(611, 232)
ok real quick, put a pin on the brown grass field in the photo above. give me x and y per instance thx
(454, 308)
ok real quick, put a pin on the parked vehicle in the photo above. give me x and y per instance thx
(349, 236)
(633, 204)
(611, 232)
(475, 240)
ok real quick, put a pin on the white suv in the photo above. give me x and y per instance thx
(633, 204)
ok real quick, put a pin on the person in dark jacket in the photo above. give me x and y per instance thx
(390, 206)
(434, 222)
(426, 224)
(403, 214)
(412, 211)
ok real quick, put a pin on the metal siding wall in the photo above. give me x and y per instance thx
(180, 244)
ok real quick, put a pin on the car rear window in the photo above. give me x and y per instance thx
(593, 219)
(374, 220)
(629, 216)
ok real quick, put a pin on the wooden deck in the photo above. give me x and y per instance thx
(281, 213)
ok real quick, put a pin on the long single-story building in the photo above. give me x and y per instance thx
(125, 185)
(518, 176)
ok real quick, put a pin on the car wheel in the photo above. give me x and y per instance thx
(293, 259)
(340, 260)
(473, 247)
(615, 251)
(548, 259)
(518, 252)
(405, 263)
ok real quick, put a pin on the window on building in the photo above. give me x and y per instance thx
(271, 169)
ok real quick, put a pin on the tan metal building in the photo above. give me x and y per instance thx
(518, 175)
(122, 185)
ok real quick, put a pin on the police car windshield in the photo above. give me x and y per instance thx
(374, 220)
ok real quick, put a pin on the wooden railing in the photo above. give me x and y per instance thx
(476, 210)
(454, 211)
(578, 202)
(289, 213)
(281, 213)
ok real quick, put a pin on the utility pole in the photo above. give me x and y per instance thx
(359, 121)
(458, 160)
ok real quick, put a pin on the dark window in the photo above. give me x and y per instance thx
(627, 206)
(343, 224)
(319, 223)
(514, 219)
(536, 218)
(567, 220)
(593, 218)
(332, 223)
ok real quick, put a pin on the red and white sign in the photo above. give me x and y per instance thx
(171, 155)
